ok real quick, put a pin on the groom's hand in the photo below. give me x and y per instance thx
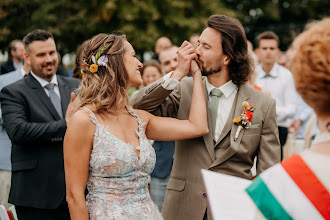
(186, 53)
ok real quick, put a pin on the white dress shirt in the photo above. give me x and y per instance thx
(229, 91)
(23, 72)
(43, 83)
(281, 85)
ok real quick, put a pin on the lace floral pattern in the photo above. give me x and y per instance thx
(118, 179)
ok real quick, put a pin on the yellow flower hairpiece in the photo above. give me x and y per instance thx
(98, 61)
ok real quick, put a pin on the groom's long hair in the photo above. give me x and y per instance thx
(234, 45)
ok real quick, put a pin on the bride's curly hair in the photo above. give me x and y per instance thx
(310, 66)
(106, 88)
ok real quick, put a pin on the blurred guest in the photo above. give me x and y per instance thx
(168, 58)
(282, 59)
(161, 43)
(252, 78)
(15, 60)
(250, 45)
(151, 71)
(299, 187)
(35, 112)
(78, 62)
(278, 80)
(299, 125)
(194, 40)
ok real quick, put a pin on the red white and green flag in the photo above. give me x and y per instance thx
(290, 190)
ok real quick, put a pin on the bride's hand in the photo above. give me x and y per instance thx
(194, 68)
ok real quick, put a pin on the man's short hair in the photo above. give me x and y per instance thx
(267, 35)
(36, 35)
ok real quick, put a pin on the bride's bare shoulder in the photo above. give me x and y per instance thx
(144, 115)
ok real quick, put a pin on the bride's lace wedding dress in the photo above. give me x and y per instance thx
(118, 178)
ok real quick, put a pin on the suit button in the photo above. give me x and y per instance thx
(204, 195)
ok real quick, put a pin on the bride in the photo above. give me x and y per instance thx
(106, 145)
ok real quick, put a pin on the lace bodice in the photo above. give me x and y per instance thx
(118, 179)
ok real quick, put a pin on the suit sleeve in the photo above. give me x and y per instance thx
(269, 152)
(18, 127)
(157, 100)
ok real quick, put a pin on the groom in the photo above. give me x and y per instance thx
(223, 58)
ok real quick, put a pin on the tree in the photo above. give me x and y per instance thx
(287, 18)
(72, 22)
(143, 21)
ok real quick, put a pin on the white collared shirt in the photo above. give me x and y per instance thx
(226, 100)
(23, 72)
(281, 85)
(43, 83)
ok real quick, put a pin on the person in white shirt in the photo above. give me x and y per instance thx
(277, 80)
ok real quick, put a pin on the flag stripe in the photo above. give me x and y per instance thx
(265, 201)
(311, 186)
(288, 194)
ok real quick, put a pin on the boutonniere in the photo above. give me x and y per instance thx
(244, 120)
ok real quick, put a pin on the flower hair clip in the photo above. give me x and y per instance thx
(98, 61)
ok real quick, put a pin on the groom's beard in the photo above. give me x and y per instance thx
(208, 71)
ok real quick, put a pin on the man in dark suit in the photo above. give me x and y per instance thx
(15, 60)
(35, 112)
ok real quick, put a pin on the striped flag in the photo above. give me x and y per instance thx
(290, 190)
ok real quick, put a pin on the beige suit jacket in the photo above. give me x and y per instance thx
(185, 196)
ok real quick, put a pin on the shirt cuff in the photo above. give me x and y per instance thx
(169, 83)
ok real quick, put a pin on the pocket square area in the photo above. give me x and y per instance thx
(254, 126)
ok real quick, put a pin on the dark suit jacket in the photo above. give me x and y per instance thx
(185, 196)
(7, 67)
(164, 158)
(36, 132)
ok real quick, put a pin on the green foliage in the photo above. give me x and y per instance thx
(72, 22)
(143, 21)
(287, 18)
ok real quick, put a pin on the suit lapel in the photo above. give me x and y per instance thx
(41, 94)
(237, 109)
(208, 138)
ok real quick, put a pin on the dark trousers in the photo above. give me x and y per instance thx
(283, 134)
(29, 213)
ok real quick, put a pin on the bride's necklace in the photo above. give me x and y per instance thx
(321, 138)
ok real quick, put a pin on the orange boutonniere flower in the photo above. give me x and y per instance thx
(237, 120)
(244, 121)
